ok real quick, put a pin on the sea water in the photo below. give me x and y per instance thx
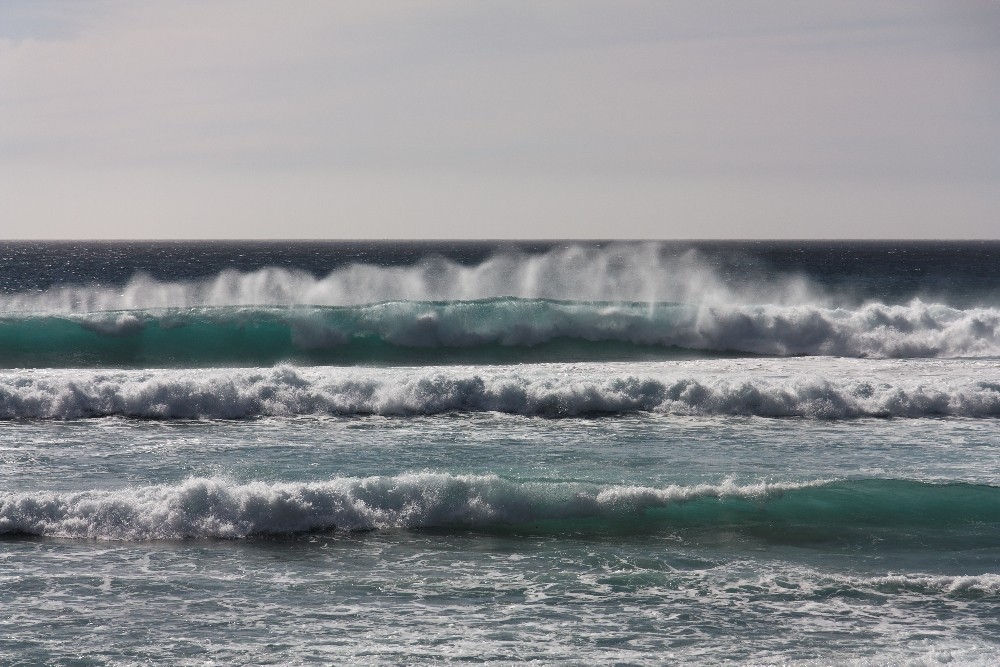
(335, 453)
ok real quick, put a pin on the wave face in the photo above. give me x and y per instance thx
(562, 391)
(622, 301)
(490, 331)
(217, 508)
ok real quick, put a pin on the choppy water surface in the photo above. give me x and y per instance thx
(551, 452)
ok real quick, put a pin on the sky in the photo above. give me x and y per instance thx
(657, 119)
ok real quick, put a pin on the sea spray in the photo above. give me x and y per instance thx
(620, 272)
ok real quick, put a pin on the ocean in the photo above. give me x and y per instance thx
(297, 453)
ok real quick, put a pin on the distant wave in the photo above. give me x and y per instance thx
(219, 508)
(249, 393)
(503, 329)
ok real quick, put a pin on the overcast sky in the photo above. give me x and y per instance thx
(535, 119)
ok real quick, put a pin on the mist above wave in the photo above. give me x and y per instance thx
(619, 272)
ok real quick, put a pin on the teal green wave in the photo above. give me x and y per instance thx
(880, 515)
(884, 513)
(504, 330)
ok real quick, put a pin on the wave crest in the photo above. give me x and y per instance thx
(505, 328)
(214, 507)
(617, 272)
(560, 391)
(787, 512)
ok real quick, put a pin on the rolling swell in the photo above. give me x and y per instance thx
(496, 330)
(556, 391)
(860, 510)
(489, 331)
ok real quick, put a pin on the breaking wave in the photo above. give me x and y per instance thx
(559, 391)
(493, 330)
(219, 508)
(621, 301)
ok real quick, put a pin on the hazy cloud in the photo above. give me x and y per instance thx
(518, 119)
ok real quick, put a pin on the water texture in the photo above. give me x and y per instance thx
(581, 453)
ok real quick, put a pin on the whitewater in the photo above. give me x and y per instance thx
(501, 452)
(787, 388)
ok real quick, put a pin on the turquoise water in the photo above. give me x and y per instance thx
(849, 556)
(499, 480)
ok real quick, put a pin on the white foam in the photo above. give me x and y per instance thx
(779, 389)
(916, 329)
(215, 507)
(985, 584)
